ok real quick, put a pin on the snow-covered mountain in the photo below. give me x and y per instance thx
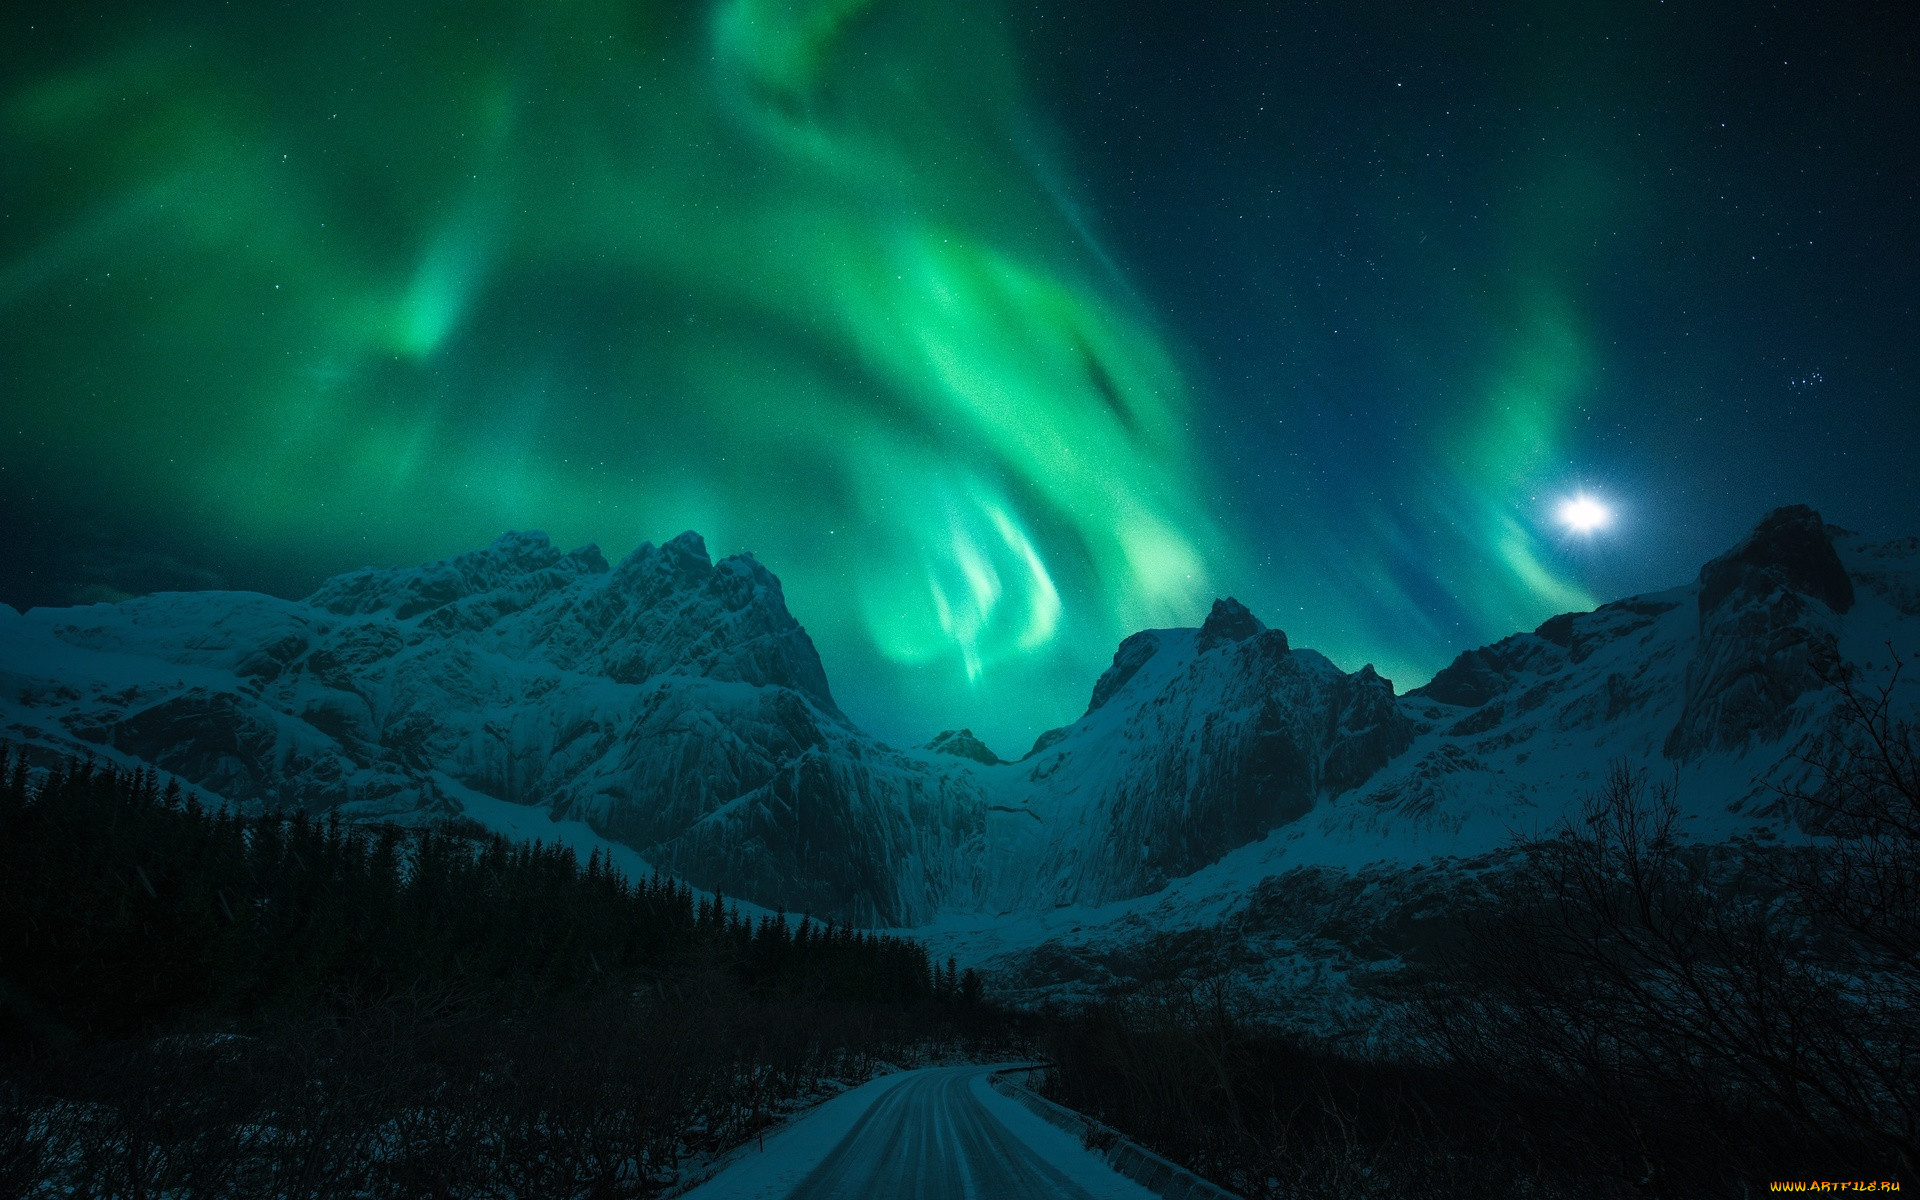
(1716, 686)
(1196, 741)
(673, 705)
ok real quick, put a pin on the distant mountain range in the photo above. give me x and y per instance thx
(673, 704)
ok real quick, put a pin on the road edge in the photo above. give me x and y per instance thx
(1152, 1172)
(699, 1176)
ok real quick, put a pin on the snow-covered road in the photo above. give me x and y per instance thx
(941, 1133)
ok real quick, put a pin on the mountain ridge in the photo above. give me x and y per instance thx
(674, 705)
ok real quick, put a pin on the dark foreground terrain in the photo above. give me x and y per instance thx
(199, 1003)
(1622, 1013)
(196, 1003)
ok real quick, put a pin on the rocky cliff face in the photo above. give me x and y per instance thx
(1195, 742)
(1768, 634)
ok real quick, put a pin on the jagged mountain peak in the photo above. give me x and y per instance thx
(687, 543)
(683, 558)
(513, 558)
(963, 744)
(682, 564)
(1196, 742)
(1768, 634)
(1791, 547)
(671, 609)
(1228, 622)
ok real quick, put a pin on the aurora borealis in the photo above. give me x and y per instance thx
(997, 333)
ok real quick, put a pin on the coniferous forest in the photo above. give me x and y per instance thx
(199, 1002)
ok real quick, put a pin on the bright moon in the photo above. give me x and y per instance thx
(1584, 514)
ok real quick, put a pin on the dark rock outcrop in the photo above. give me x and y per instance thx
(962, 744)
(1789, 550)
(1767, 633)
(1228, 622)
(1127, 660)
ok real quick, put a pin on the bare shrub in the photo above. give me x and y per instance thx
(1267, 1114)
(1712, 1013)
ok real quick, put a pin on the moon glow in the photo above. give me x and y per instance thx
(1584, 514)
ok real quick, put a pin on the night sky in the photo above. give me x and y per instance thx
(997, 333)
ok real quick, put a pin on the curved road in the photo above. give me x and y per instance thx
(934, 1134)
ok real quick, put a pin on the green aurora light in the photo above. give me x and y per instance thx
(373, 287)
